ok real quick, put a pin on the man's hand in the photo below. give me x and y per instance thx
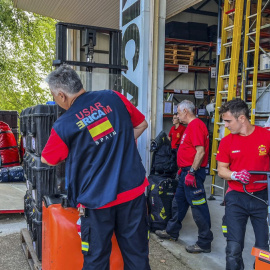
(190, 180)
(242, 177)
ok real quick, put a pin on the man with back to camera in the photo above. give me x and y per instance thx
(96, 136)
(192, 158)
(246, 148)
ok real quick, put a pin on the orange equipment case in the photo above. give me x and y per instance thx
(262, 257)
(262, 261)
(61, 243)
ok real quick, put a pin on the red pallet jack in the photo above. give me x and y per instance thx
(262, 257)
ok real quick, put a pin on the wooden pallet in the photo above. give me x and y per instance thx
(178, 47)
(178, 61)
(29, 251)
(176, 54)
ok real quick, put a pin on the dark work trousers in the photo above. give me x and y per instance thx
(239, 206)
(129, 222)
(196, 198)
(174, 226)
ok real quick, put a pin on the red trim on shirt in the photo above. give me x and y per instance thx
(128, 195)
(55, 149)
(136, 116)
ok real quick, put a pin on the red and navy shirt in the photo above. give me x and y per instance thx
(96, 137)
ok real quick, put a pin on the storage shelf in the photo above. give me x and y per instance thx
(189, 42)
(191, 92)
(262, 74)
(173, 67)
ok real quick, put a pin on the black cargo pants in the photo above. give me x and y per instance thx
(239, 207)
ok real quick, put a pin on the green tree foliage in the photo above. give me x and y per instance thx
(27, 44)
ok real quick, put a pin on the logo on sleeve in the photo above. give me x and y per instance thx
(262, 150)
(235, 151)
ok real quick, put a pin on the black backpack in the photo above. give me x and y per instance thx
(163, 159)
(160, 195)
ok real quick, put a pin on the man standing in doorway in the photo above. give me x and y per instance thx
(105, 176)
(247, 148)
(192, 158)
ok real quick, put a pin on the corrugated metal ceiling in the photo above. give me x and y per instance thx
(175, 6)
(103, 13)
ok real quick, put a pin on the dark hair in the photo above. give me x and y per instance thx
(236, 107)
(175, 114)
(64, 78)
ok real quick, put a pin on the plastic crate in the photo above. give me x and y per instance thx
(26, 161)
(24, 120)
(60, 178)
(25, 125)
(10, 117)
(42, 119)
(28, 209)
(40, 172)
(45, 185)
(37, 231)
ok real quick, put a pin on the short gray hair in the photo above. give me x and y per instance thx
(64, 78)
(188, 105)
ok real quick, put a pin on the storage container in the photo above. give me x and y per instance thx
(60, 178)
(61, 244)
(28, 210)
(24, 120)
(42, 119)
(37, 231)
(10, 117)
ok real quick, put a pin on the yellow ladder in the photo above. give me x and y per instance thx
(228, 71)
(249, 33)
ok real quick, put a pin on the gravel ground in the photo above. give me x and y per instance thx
(13, 258)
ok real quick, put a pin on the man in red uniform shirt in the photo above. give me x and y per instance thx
(192, 158)
(176, 132)
(246, 148)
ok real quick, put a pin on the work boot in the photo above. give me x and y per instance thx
(164, 235)
(196, 249)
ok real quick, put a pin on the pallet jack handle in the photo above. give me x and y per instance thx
(260, 182)
(262, 262)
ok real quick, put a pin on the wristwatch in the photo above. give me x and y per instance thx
(192, 170)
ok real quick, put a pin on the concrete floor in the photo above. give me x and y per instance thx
(13, 258)
(188, 236)
(163, 254)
